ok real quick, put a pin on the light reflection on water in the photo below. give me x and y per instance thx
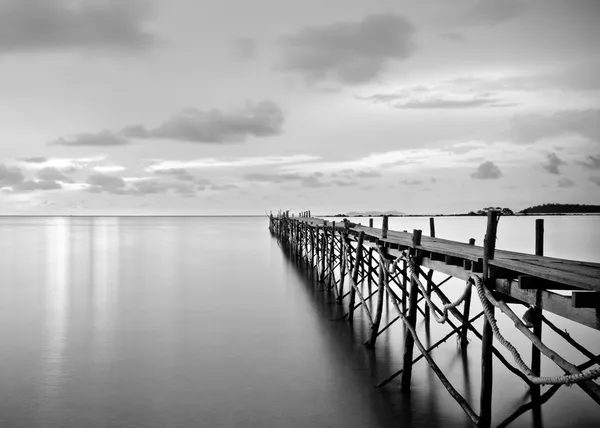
(206, 322)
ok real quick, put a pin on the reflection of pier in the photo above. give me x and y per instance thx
(398, 262)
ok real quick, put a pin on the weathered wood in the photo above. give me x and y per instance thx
(487, 371)
(412, 316)
(354, 278)
(381, 286)
(536, 320)
(467, 308)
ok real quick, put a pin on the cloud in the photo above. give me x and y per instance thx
(552, 164)
(223, 187)
(101, 139)
(10, 176)
(244, 48)
(32, 185)
(425, 97)
(64, 25)
(487, 170)
(262, 119)
(411, 182)
(161, 165)
(351, 52)
(312, 180)
(368, 174)
(341, 183)
(37, 159)
(494, 11)
(531, 128)
(565, 182)
(179, 173)
(592, 162)
(106, 183)
(53, 174)
(595, 180)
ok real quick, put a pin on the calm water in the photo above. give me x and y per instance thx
(204, 322)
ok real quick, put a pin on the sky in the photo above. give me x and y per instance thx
(200, 107)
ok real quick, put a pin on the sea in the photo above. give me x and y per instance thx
(149, 322)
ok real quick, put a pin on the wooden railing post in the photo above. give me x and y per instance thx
(430, 274)
(467, 309)
(487, 373)
(537, 321)
(409, 341)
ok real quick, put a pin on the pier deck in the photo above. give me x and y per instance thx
(342, 252)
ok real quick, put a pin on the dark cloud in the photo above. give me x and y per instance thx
(453, 36)
(37, 159)
(259, 119)
(178, 173)
(102, 139)
(106, 183)
(135, 131)
(64, 25)
(262, 119)
(565, 182)
(352, 52)
(592, 162)
(244, 48)
(531, 128)
(53, 174)
(595, 180)
(10, 176)
(487, 170)
(552, 164)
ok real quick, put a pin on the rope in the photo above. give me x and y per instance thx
(486, 301)
(446, 307)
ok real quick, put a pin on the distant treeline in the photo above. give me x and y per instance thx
(561, 209)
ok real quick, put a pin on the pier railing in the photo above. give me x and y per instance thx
(401, 264)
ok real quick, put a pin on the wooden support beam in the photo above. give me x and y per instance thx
(536, 320)
(586, 299)
(527, 282)
(382, 284)
(487, 371)
(467, 308)
(412, 317)
(354, 278)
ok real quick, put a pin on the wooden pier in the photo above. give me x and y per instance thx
(401, 265)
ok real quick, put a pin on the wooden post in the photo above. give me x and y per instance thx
(537, 322)
(465, 328)
(342, 266)
(371, 223)
(370, 268)
(381, 286)
(404, 285)
(357, 262)
(384, 227)
(323, 254)
(312, 247)
(430, 274)
(409, 342)
(487, 373)
(331, 254)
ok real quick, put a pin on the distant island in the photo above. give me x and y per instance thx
(547, 209)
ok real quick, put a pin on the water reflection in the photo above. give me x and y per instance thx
(53, 374)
